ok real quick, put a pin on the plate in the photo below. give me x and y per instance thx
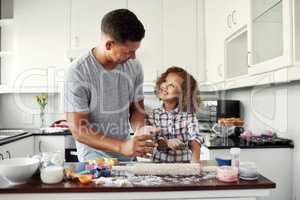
(249, 178)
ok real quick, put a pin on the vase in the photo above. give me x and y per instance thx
(42, 119)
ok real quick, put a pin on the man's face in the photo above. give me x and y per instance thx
(121, 52)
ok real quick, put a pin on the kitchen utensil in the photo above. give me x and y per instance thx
(223, 131)
(227, 174)
(223, 161)
(161, 168)
(248, 171)
(52, 174)
(18, 170)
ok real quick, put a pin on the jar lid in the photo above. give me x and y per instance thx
(235, 151)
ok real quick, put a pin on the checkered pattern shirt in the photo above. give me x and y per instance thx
(174, 124)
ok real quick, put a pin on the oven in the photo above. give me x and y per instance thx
(70, 149)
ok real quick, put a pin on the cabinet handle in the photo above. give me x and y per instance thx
(40, 146)
(76, 42)
(2, 157)
(8, 153)
(73, 153)
(249, 58)
(228, 21)
(220, 73)
(234, 20)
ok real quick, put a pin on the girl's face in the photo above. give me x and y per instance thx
(171, 88)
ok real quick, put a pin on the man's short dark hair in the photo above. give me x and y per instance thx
(123, 25)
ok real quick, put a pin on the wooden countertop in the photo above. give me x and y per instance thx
(36, 186)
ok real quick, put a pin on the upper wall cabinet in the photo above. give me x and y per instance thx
(180, 35)
(215, 35)
(221, 30)
(86, 21)
(270, 27)
(40, 40)
(296, 28)
(49, 34)
(6, 38)
(150, 51)
(236, 15)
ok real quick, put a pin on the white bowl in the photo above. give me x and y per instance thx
(18, 170)
(248, 170)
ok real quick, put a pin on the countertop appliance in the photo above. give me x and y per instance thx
(70, 149)
(212, 110)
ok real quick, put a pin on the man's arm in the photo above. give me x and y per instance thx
(136, 146)
(137, 115)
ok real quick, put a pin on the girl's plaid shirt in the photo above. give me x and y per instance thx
(175, 124)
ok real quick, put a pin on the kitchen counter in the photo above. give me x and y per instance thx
(32, 132)
(198, 188)
(221, 143)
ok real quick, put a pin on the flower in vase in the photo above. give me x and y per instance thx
(42, 101)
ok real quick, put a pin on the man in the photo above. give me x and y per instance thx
(103, 93)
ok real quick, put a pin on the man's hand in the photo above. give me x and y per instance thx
(141, 144)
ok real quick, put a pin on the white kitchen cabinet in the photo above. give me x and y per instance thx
(270, 41)
(86, 21)
(150, 52)
(236, 15)
(40, 40)
(6, 38)
(180, 35)
(296, 31)
(294, 72)
(236, 54)
(226, 33)
(274, 163)
(201, 69)
(19, 148)
(214, 29)
(49, 144)
(170, 40)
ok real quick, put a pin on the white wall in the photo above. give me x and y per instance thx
(22, 111)
(275, 107)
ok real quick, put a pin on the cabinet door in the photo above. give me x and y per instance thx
(40, 32)
(214, 27)
(296, 27)
(240, 13)
(268, 166)
(86, 21)
(201, 70)
(150, 52)
(19, 148)
(49, 144)
(180, 34)
(270, 45)
(236, 15)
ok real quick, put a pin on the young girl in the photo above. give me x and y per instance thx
(179, 139)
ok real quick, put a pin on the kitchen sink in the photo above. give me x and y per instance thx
(7, 133)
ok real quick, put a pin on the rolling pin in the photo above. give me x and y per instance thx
(161, 168)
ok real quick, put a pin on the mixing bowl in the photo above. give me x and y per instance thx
(18, 170)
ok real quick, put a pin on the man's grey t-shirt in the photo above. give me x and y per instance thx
(105, 95)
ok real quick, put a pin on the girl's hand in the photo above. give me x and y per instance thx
(162, 144)
(176, 144)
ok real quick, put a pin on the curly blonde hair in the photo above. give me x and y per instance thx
(187, 100)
